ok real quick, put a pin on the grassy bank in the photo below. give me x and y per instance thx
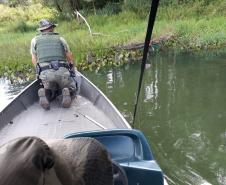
(187, 27)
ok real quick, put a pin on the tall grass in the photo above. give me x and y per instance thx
(193, 10)
(192, 26)
(108, 31)
(23, 19)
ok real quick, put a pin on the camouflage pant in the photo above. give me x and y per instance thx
(57, 79)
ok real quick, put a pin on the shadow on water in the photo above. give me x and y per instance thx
(182, 111)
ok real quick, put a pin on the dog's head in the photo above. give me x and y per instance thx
(24, 161)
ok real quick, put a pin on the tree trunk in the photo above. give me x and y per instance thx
(94, 8)
(74, 5)
(58, 6)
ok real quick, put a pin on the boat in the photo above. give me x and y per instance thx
(91, 114)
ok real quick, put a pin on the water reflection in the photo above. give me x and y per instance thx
(182, 112)
(4, 96)
(8, 91)
(189, 117)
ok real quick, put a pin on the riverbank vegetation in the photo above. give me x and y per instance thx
(181, 24)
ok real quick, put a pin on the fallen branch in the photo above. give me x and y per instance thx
(80, 15)
(90, 31)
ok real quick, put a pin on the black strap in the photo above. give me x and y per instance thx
(43, 68)
(152, 16)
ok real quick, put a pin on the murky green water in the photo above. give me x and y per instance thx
(182, 111)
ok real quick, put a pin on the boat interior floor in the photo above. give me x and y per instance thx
(56, 122)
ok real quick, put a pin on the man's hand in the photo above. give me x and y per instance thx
(72, 69)
(38, 71)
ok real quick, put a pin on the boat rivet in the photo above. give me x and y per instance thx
(76, 115)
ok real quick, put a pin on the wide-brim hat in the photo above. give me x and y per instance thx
(45, 24)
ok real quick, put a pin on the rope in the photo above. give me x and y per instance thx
(152, 16)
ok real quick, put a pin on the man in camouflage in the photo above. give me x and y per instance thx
(53, 59)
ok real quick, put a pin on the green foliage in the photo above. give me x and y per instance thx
(195, 10)
(15, 69)
(15, 3)
(175, 2)
(110, 9)
(196, 25)
(32, 13)
(22, 26)
(141, 7)
(65, 16)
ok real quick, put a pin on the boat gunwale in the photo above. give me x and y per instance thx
(11, 111)
(108, 100)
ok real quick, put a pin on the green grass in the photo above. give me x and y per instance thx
(109, 32)
(191, 27)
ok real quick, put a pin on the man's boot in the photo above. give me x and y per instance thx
(72, 91)
(43, 101)
(66, 102)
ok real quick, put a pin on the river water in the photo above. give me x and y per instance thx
(182, 111)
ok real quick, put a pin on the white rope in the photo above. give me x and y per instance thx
(93, 121)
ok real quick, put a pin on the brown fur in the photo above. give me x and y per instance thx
(23, 161)
(30, 161)
(87, 159)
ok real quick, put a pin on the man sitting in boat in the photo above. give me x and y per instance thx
(54, 63)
